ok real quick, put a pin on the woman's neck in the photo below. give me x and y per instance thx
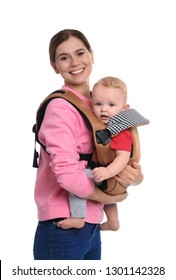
(83, 89)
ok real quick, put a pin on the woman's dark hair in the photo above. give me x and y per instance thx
(63, 36)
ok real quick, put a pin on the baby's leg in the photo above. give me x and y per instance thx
(112, 222)
(78, 213)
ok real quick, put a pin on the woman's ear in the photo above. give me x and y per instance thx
(92, 57)
(54, 67)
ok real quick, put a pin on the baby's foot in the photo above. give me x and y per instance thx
(110, 226)
(71, 223)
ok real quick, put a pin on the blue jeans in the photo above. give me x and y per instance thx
(54, 243)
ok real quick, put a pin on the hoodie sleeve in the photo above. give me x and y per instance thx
(65, 135)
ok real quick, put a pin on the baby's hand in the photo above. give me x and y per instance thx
(100, 174)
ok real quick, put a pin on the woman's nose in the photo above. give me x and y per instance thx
(74, 61)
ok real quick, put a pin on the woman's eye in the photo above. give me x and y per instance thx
(80, 53)
(63, 58)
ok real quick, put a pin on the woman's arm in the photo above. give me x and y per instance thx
(104, 198)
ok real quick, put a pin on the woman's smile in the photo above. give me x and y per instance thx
(76, 72)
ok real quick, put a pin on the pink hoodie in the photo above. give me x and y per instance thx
(65, 135)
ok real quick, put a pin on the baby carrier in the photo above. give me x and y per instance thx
(102, 154)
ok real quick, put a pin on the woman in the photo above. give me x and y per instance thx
(65, 135)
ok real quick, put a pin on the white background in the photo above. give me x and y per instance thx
(134, 40)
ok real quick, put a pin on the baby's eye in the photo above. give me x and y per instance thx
(111, 104)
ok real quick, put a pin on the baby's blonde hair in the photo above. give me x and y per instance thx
(114, 82)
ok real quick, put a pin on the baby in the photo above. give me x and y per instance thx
(109, 97)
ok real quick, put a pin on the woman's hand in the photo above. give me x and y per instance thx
(131, 175)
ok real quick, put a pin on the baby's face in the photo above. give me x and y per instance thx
(107, 102)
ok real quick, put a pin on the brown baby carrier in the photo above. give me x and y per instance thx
(102, 154)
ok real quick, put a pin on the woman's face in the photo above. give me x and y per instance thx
(73, 61)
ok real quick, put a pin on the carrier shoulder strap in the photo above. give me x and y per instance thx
(102, 154)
